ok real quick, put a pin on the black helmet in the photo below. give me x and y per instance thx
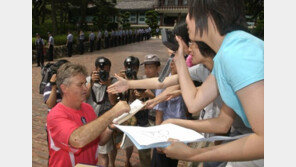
(101, 62)
(131, 61)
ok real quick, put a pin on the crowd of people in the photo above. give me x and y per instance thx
(217, 74)
(103, 39)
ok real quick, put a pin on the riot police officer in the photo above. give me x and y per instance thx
(81, 40)
(99, 37)
(39, 47)
(69, 43)
(91, 39)
(50, 47)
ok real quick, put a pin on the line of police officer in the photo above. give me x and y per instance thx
(105, 39)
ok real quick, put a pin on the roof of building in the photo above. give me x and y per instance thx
(134, 4)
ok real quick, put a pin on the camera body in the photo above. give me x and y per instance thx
(169, 37)
(53, 69)
(169, 40)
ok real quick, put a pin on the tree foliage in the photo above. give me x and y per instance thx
(125, 20)
(104, 10)
(152, 20)
(255, 9)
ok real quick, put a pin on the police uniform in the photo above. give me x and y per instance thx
(106, 39)
(81, 45)
(50, 49)
(99, 40)
(69, 44)
(91, 41)
(39, 47)
(112, 38)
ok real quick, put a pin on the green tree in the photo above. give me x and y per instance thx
(255, 9)
(125, 21)
(105, 10)
(152, 20)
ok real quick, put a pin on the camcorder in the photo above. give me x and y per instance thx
(169, 37)
(169, 40)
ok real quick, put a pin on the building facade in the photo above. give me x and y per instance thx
(170, 11)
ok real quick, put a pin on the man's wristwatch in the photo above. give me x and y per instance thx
(52, 83)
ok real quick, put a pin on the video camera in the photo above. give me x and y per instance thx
(169, 37)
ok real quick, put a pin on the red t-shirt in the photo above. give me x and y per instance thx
(61, 122)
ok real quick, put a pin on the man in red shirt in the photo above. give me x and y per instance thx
(74, 131)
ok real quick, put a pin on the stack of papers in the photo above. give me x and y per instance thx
(157, 136)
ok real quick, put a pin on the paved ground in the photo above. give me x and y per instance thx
(117, 56)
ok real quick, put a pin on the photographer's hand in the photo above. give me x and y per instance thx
(94, 77)
(53, 78)
(52, 99)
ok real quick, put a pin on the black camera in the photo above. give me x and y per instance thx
(101, 62)
(130, 64)
(53, 69)
(169, 37)
(104, 75)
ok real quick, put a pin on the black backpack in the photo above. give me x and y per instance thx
(46, 74)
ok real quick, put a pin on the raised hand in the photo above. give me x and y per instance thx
(118, 87)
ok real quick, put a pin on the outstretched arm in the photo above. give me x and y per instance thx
(247, 148)
(163, 96)
(151, 83)
(219, 125)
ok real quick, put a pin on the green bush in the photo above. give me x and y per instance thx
(60, 39)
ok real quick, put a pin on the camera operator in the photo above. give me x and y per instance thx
(131, 66)
(101, 101)
(51, 95)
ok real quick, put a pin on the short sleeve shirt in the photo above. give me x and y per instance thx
(100, 96)
(51, 40)
(91, 36)
(70, 38)
(238, 63)
(61, 122)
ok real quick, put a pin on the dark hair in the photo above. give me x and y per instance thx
(134, 61)
(61, 62)
(102, 61)
(228, 15)
(182, 31)
(205, 50)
